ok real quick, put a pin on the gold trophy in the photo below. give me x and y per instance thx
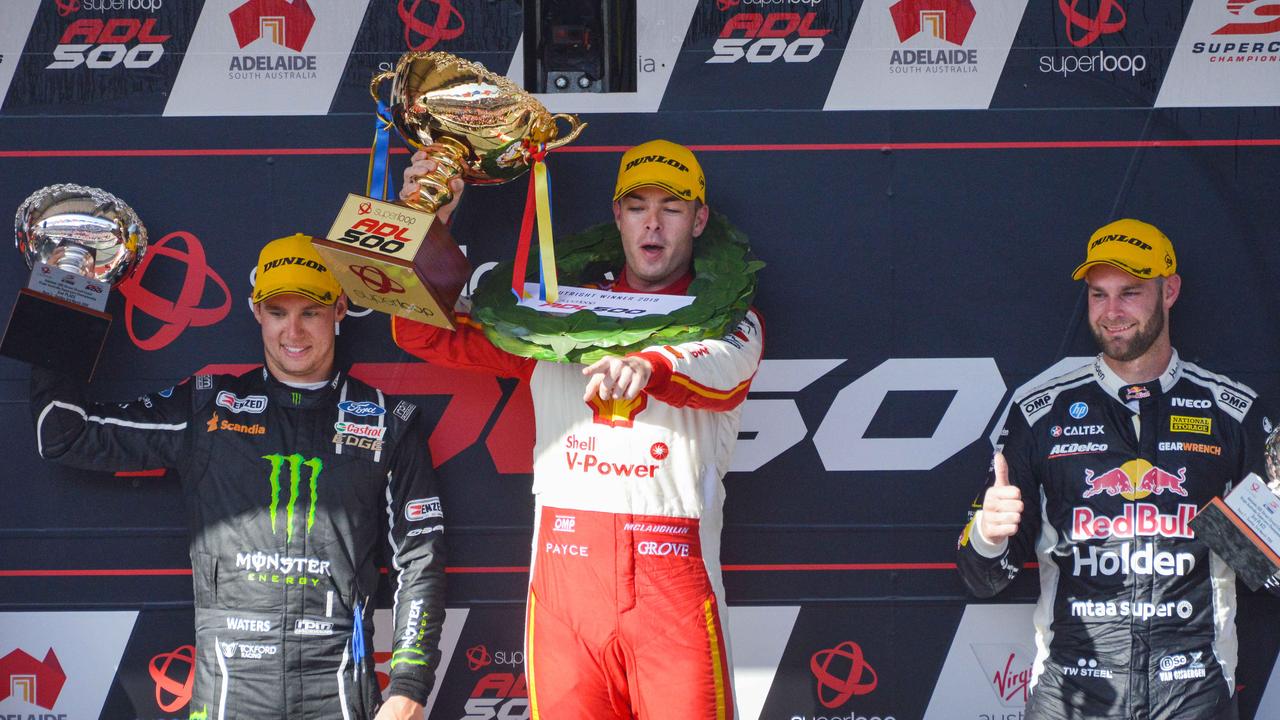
(395, 257)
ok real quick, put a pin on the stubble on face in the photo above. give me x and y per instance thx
(1148, 330)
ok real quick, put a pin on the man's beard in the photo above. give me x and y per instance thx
(1126, 350)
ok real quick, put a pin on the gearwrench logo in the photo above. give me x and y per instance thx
(429, 34)
(295, 464)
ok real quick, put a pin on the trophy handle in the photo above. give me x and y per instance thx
(376, 83)
(576, 127)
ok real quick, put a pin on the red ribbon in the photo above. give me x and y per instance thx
(536, 155)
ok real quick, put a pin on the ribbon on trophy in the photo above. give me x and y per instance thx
(537, 204)
(380, 153)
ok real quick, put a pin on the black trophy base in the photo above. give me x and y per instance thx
(55, 334)
(1228, 536)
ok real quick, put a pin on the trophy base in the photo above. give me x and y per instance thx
(55, 334)
(416, 279)
(1240, 547)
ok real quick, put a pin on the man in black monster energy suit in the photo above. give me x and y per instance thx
(293, 475)
(1099, 474)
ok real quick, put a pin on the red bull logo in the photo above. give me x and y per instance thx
(1135, 480)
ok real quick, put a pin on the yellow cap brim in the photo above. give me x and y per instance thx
(1084, 268)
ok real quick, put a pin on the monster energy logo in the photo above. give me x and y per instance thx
(296, 463)
(296, 397)
(202, 714)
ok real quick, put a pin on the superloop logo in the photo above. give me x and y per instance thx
(188, 309)
(420, 35)
(835, 688)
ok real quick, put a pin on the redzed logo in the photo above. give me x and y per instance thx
(1262, 18)
(173, 693)
(286, 23)
(836, 686)
(430, 33)
(948, 20)
(1110, 19)
(31, 681)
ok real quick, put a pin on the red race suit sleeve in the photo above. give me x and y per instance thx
(707, 374)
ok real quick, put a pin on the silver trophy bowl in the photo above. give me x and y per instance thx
(80, 229)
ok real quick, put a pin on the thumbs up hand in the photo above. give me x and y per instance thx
(1001, 506)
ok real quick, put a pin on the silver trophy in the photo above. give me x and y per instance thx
(79, 243)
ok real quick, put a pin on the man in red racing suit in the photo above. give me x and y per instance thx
(625, 606)
(1099, 474)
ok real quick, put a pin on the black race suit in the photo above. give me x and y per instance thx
(289, 494)
(1136, 617)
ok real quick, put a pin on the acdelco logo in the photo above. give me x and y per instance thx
(662, 549)
(250, 404)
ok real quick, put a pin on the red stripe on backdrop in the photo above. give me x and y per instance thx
(473, 570)
(779, 147)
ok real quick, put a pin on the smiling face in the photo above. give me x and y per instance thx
(298, 336)
(657, 230)
(1129, 316)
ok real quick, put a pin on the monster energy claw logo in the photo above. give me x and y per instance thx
(296, 463)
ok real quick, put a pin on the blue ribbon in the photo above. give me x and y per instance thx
(357, 635)
(380, 156)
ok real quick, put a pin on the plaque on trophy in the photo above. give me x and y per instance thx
(1243, 528)
(396, 257)
(79, 242)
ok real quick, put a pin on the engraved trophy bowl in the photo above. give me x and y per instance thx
(79, 242)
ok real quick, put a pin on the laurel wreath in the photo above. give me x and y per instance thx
(723, 287)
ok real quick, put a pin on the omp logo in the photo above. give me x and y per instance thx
(617, 413)
(840, 673)
(1259, 17)
(429, 34)
(188, 309)
(295, 465)
(376, 280)
(173, 693)
(1109, 19)
(32, 681)
(565, 523)
(947, 20)
(286, 23)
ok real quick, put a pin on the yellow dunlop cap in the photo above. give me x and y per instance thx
(662, 164)
(1135, 247)
(292, 265)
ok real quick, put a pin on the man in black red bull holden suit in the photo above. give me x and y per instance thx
(293, 474)
(1097, 477)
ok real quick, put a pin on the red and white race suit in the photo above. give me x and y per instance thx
(625, 600)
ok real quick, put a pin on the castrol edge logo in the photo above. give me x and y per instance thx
(380, 227)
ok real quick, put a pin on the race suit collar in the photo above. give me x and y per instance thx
(1116, 386)
(292, 396)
